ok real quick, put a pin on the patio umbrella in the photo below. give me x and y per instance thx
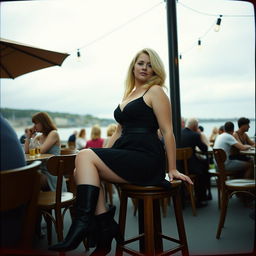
(18, 59)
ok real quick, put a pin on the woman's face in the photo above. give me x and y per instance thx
(142, 69)
(38, 127)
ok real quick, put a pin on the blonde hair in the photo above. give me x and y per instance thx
(111, 129)
(158, 77)
(95, 132)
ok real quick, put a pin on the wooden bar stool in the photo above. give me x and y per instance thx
(150, 230)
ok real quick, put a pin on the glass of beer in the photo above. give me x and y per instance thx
(32, 149)
(37, 148)
(32, 152)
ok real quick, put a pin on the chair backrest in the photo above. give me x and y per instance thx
(21, 187)
(220, 158)
(62, 166)
(183, 154)
(68, 151)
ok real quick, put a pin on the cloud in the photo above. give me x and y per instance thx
(211, 80)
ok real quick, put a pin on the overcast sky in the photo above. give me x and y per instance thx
(216, 79)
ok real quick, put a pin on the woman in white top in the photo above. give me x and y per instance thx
(80, 140)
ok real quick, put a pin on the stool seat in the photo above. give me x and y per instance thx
(150, 235)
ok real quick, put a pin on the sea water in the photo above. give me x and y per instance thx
(66, 132)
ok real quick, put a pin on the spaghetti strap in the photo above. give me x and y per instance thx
(145, 92)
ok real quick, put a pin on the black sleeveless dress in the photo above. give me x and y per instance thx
(138, 155)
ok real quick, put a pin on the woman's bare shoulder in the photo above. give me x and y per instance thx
(156, 89)
(53, 133)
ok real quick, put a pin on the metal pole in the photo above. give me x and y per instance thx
(174, 68)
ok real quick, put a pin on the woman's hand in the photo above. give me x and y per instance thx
(31, 132)
(177, 175)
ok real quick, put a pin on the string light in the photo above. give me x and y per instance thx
(211, 14)
(78, 54)
(217, 26)
(119, 27)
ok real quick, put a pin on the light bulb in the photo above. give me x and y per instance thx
(217, 26)
(78, 55)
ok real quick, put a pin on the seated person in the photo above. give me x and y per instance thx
(191, 137)
(96, 141)
(221, 129)
(49, 140)
(24, 136)
(213, 135)
(203, 136)
(81, 139)
(110, 131)
(72, 140)
(225, 141)
(242, 137)
(12, 156)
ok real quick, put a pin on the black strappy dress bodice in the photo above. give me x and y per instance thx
(138, 156)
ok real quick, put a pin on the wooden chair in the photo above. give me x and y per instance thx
(20, 187)
(183, 154)
(150, 229)
(68, 151)
(57, 201)
(216, 175)
(229, 187)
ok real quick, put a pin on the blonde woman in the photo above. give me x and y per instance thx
(96, 141)
(110, 131)
(81, 139)
(134, 154)
(213, 135)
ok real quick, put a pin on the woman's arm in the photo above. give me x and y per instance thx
(114, 137)
(162, 108)
(51, 139)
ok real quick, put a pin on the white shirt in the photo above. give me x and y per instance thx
(225, 141)
(80, 143)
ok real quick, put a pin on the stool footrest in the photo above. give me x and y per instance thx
(170, 238)
(133, 239)
(171, 251)
(132, 252)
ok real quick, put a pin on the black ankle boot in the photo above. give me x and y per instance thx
(108, 229)
(92, 238)
(86, 201)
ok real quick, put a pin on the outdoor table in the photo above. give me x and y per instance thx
(249, 152)
(40, 157)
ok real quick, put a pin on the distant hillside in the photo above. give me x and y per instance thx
(22, 118)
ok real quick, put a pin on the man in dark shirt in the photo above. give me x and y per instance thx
(72, 140)
(190, 137)
(12, 156)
